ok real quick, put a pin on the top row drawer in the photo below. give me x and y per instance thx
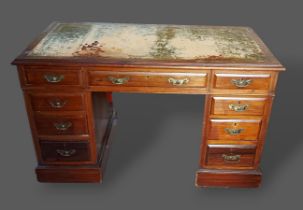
(235, 81)
(242, 81)
(148, 79)
(52, 77)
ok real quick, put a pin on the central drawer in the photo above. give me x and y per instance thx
(234, 129)
(148, 79)
(49, 123)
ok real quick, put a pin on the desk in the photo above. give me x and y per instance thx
(69, 72)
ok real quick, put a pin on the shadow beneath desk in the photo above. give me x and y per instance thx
(140, 121)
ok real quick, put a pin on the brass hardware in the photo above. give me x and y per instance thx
(63, 126)
(51, 78)
(57, 103)
(231, 157)
(238, 107)
(118, 81)
(233, 132)
(66, 153)
(174, 81)
(241, 83)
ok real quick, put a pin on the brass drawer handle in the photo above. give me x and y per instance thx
(118, 81)
(63, 126)
(174, 81)
(233, 132)
(57, 103)
(238, 107)
(51, 78)
(231, 157)
(66, 153)
(241, 83)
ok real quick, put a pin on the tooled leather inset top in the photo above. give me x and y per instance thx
(147, 41)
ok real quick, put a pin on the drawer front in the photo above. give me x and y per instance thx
(60, 123)
(52, 77)
(237, 106)
(147, 79)
(64, 151)
(230, 155)
(242, 81)
(57, 101)
(234, 129)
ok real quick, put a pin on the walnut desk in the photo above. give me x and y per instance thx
(70, 71)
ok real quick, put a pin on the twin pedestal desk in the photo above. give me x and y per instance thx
(69, 72)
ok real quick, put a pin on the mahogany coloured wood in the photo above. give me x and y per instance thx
(258, 81)
(71, 114)
(57, 101)
(230, 156)
(64, 151)
(148, 79)
(249, 82)
(65, 123)
(52, 77)
(234, 129)
(238, 105)
(228, 178)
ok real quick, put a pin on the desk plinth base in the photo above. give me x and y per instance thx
(228, 178)
(82, 173)
(69, 174)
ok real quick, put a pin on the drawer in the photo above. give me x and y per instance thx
(50, 123)
(57, 101)
(230, 155)
(242, 81)
(148, 79)
(234, 129)
(64, 151)
(54, 77)
(237, 105)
